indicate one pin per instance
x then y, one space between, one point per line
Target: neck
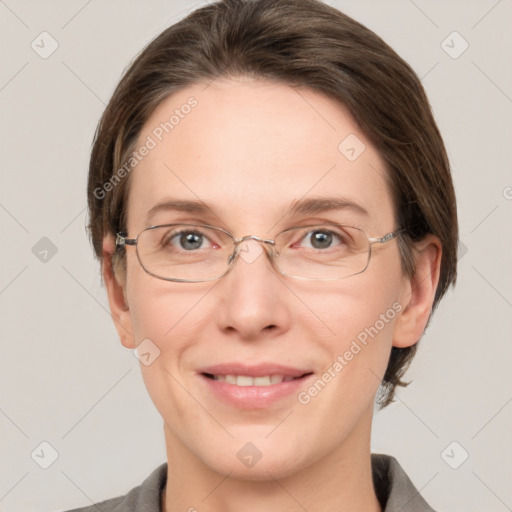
340 480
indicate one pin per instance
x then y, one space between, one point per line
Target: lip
257 370
253 397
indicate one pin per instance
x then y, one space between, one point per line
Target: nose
252 298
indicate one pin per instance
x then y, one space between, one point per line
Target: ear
418 293
116 290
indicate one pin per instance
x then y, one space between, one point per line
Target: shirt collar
393 487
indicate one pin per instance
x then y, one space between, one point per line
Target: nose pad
250 251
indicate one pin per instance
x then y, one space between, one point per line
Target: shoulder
144 498
394 489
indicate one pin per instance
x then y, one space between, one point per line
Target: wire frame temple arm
121 240
385 238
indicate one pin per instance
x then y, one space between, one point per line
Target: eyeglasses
191 253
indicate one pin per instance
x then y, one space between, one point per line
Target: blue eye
190 241
321 239
187 240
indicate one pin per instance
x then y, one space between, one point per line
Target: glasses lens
325 252
189 252
184 252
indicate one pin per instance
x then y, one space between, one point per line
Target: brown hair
302 43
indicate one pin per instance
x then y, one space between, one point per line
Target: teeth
230 379
246 380
261 381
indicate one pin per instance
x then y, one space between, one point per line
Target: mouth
253 387
248 380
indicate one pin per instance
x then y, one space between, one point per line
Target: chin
267 468
258 460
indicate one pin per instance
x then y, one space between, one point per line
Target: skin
249 150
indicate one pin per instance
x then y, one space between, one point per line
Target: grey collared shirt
394 489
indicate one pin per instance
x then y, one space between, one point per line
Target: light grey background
64 377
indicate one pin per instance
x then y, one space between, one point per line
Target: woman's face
262 156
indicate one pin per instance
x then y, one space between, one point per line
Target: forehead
249 149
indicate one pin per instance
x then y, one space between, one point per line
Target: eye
321 239
188 240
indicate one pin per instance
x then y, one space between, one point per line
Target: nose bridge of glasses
256 238
250 247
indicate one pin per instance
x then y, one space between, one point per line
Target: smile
253 387
247 380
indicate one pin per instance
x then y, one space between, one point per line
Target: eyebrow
180 206
323 204
301 207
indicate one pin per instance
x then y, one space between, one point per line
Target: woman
272 206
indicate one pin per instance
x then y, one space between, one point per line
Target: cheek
355 358
362 309
169 316
362 340
359 320
160 310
